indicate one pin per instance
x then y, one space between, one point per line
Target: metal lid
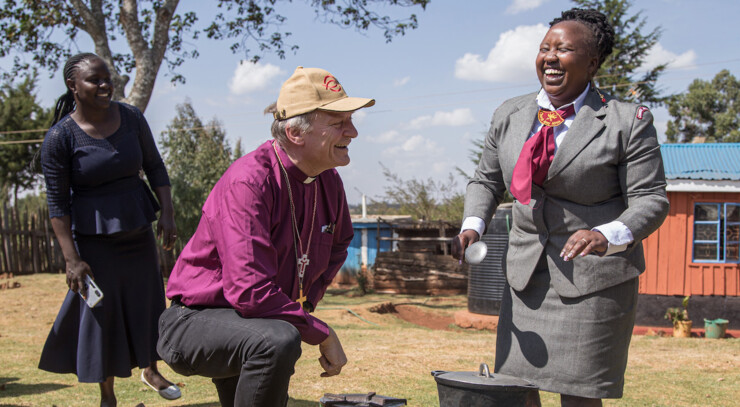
482 380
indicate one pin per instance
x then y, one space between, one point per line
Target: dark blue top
96 181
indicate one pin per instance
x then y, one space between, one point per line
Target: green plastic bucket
715 328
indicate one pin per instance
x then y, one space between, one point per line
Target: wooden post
35 250
5 265
377 236
9 241
442 234
24 233
46 260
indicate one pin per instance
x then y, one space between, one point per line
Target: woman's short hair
597 23
301 122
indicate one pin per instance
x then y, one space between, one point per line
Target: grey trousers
250 360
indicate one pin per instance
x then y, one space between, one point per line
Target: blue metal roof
711 161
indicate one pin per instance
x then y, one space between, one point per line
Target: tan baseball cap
310 89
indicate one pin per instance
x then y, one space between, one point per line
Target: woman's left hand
584 242
166 230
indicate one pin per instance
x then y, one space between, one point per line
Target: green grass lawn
386 355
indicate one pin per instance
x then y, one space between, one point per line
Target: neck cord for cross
303 261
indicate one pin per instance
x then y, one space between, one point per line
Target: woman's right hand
76 271
462 241
76 268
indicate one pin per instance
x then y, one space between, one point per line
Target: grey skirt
573 346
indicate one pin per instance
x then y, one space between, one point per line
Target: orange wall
669 269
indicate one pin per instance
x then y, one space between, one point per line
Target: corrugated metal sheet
712 161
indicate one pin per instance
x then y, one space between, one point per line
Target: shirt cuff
474 223
316 331
617 235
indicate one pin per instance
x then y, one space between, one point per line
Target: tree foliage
155 31
196 156
709 109
475 155
619 73
429 199
20 115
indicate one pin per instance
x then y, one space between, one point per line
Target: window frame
727 224
721 233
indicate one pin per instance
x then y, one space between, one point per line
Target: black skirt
573 346
120 333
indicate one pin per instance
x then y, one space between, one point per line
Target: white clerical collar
543 100
290 166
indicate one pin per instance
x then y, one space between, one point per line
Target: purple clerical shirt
242 254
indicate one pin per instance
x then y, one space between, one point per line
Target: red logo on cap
332 84
641 112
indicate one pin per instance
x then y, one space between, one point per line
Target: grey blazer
607 168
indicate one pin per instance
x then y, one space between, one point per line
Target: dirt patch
416 315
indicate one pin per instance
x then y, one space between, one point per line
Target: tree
618 73
238 152
475 155
21 117
708 109
428 199
196 156
155 32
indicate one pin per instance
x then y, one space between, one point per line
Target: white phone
94 293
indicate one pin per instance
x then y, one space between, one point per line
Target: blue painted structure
707 161
369 228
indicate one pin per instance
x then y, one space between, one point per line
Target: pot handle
436 373
483 370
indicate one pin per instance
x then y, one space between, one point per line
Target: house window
717 232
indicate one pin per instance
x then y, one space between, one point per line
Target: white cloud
658 55
660 127
457 117
250 77
359 116
402 81
415 146
160 90
385 137
511 59
517 6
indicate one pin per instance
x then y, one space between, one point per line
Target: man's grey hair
301 122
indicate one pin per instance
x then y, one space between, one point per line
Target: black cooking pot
480 389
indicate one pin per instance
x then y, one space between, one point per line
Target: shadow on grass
301 403
291 403
10 389
431 306
338 291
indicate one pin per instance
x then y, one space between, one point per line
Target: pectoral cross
302 264
301 298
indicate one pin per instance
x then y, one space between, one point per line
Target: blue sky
436 88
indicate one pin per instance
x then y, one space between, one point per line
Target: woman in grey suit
588 179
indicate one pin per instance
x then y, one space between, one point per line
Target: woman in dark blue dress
101 212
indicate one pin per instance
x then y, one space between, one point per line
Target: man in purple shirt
273 234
